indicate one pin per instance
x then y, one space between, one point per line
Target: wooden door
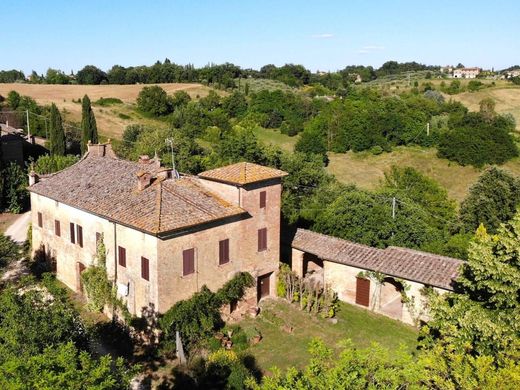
263 286
362 291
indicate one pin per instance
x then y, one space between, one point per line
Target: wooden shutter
121 255
40 219
188 261
145 268
223 251
79 235
57 228
262 239
72 233
362 291
263 197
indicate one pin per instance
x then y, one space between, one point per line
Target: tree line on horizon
222 75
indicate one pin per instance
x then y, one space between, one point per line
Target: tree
235 105
49 164
154 100
56 133
180 99
38 318
481 318
312 141
15 188
91 75
9 251
425 192
88 125
13 99
487 109
492 200
64 367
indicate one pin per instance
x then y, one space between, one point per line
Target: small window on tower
263 197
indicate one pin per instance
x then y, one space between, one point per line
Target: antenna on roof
169 141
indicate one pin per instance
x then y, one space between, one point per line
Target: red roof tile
423 267
107 187
242 173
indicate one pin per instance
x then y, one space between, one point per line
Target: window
98 239
223 251
145 268
188 261
40 219
72 233
79 235
262 239
263 197
121 255
57 228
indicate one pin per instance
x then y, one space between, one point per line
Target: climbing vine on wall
99 290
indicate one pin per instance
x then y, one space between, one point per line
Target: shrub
198 317
104 102
50 164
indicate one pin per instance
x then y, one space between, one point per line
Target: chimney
100 150
143 180
33 178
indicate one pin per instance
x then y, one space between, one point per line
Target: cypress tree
56 132
88 125
1 176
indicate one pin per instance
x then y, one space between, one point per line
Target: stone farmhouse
389 281
166 234
466 73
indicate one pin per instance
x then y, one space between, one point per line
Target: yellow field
110 124
366 170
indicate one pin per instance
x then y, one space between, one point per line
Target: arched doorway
390 302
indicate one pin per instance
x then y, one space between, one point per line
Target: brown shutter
223 254
262 239
188 261
145 268
40 219
80 235
121 252
362 291
263 196
72 233
57 228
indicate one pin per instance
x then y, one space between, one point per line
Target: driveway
18 229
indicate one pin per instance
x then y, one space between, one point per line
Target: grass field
111 120
274 137
281 349
367 170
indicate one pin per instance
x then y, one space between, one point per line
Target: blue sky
324 35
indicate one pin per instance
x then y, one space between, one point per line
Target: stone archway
390 300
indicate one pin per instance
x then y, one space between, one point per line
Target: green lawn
281 349
274 137
366 170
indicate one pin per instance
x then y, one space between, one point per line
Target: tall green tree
88 125
56 133
492 200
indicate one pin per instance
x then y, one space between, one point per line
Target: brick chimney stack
144 180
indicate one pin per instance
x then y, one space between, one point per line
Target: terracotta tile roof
242 173
422 267
108 187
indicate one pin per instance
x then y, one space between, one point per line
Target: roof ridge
159 206
419 252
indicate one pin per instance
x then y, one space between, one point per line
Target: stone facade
163 251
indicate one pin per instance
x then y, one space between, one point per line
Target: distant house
378 279
466 73
447 69
166 234
513 73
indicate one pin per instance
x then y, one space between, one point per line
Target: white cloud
370 49
322 36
